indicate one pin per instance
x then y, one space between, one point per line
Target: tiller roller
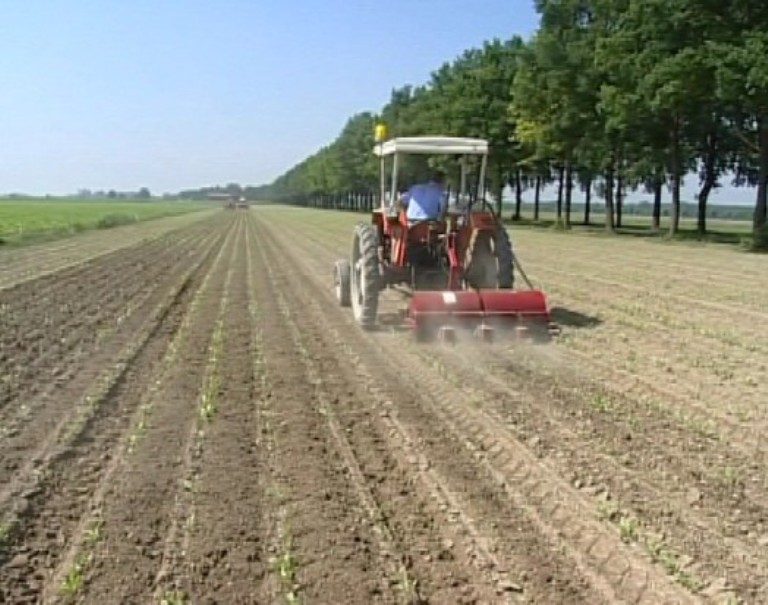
484 314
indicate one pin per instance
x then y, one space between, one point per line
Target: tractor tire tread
505 257
368 243
343 274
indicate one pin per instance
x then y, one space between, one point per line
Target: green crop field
26 221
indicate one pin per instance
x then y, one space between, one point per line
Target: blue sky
171 94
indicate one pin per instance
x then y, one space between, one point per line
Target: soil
191 417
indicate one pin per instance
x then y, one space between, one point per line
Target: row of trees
608 96
142 194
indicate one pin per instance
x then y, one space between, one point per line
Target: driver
425 201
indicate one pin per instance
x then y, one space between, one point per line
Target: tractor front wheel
365 276
341 281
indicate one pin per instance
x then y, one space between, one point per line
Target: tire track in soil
506 460
470 524
54 509
643 467
325 509
397 566
227 554
724 528
137 507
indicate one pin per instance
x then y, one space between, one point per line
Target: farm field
186 415
32 220
718 229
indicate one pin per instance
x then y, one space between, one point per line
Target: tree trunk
568 194
761 206
518 195
536 199
674 219
619 197
658 186
560 183
701 222
609 224
710 157
587 200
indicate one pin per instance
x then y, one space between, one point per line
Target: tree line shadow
686 233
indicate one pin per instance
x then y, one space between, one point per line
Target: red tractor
458 270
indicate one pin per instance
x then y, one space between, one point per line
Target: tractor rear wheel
489 261
505 259
365 275
480 262
341 282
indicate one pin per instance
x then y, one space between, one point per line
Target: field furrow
693 502
471 432
138 507
33 262
226 554
675 501
67 352
331 542
174 572
49 499
458 552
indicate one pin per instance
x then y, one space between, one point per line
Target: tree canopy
608 95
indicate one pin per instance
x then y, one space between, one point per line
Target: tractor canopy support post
481 184
394 176
382 183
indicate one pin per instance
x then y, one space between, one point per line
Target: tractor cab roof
432 145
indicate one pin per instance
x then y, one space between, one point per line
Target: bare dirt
192 418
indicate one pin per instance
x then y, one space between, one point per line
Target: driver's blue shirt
423 201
